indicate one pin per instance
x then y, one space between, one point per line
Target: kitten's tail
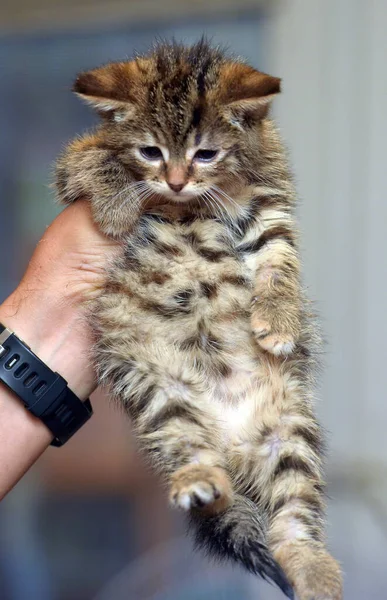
238 534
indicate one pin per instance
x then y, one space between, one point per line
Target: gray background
331 55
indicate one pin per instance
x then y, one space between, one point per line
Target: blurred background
89 522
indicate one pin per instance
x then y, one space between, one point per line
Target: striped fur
203 331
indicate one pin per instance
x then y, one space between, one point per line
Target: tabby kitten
202 330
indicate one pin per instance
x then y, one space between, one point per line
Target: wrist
56 331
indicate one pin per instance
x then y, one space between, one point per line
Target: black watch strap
44 393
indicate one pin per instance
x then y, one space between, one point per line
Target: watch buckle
4 335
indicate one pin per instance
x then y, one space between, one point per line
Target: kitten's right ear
115 87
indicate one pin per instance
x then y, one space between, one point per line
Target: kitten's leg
275 311
276 460
87 170
175 425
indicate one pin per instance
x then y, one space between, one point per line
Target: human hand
47 311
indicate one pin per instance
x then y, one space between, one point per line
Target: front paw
275 330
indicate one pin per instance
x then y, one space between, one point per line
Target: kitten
203 332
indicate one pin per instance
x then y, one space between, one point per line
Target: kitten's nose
176 177
176 187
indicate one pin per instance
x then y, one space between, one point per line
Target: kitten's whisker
134 198
221 203
132 191
223 193
219 208
257 216
224 209
230 219
137 190
206 202
128 188
214 207
146 192
220 190
145 195
134 202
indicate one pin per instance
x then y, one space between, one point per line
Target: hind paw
200 487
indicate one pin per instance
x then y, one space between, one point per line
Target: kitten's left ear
115 87
246 92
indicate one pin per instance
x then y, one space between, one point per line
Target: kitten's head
185 120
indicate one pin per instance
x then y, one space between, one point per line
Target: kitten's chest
198 289
184 291
190 266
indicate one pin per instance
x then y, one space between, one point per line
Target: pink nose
176 187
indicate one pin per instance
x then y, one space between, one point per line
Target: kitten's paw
261 328
275 343
315 575
201 487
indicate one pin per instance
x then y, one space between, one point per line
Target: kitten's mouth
180 197
164 199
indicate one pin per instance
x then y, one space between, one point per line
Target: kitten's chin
181 197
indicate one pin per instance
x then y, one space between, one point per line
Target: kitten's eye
118 116
151 152
205 155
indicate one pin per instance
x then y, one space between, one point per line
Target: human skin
47 311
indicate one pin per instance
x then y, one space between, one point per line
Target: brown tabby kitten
202 331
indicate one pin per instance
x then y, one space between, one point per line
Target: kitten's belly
190 304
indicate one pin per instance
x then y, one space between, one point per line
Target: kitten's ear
112 88
247 92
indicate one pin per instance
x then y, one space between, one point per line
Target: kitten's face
184 121
183 174
200 164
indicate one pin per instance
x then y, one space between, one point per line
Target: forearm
271 248
277 272
277 295
23 437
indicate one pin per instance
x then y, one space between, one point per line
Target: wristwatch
44 393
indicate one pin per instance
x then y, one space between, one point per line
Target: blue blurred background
89 522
